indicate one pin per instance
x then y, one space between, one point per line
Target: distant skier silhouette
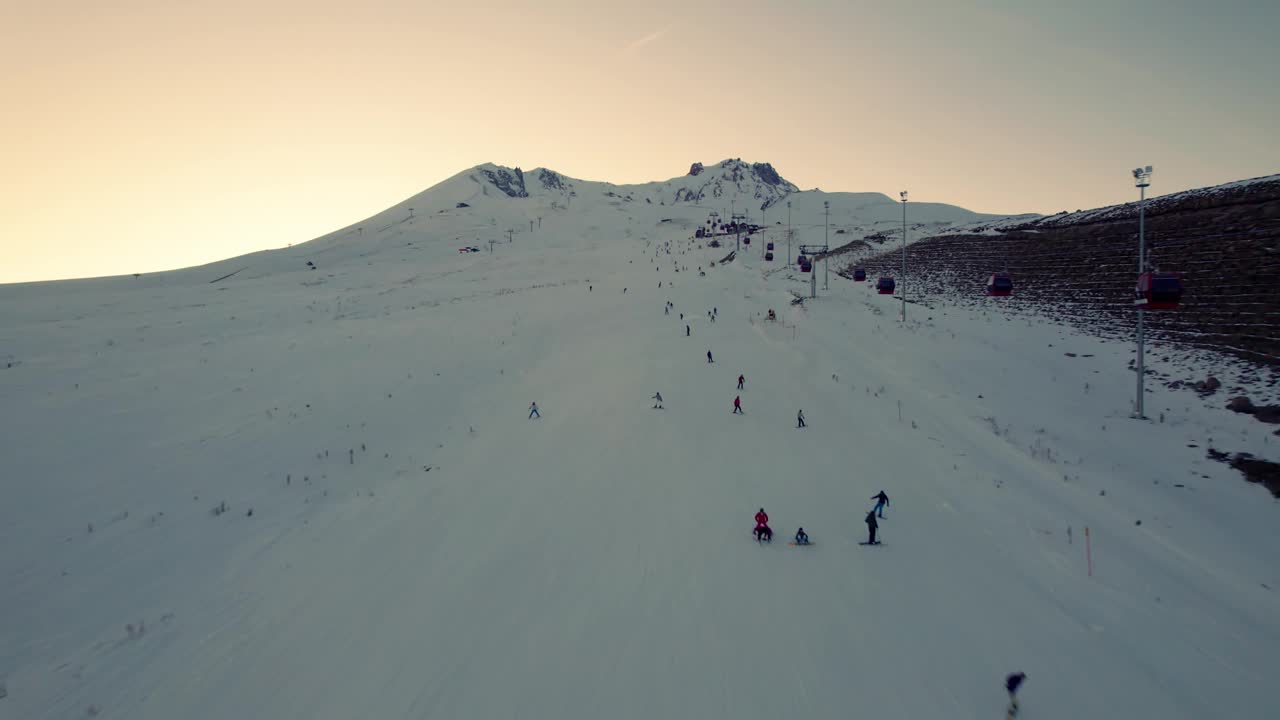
872 526
533 411
741 380
1012 683
800 419
657 400
737 405
709 357
802 538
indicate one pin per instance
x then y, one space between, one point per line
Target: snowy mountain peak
508 181
732 179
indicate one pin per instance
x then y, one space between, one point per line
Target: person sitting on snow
802 538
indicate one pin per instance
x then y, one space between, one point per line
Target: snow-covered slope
400 541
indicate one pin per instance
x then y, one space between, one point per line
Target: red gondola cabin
1000 285
1158 291
806 266
885 286
859 275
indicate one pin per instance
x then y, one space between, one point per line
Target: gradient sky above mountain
144 135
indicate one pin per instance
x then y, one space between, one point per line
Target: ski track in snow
419 548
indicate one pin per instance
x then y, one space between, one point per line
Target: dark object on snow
802 538
1013 682
1240 404
1208 386
462 205
763 533
872 525
1255 470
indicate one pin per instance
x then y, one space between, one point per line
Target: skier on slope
686 328
709 357
1012 683
763 531
881 501
533 410
872 525
657 400
800 419
737 405
802 538
741 380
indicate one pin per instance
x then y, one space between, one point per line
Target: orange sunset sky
143 135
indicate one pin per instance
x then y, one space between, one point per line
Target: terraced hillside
1081 268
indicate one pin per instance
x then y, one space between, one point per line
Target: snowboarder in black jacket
872 525
1012 683
881 501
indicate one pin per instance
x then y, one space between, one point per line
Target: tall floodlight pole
1142 179
788 233
903 195
826 244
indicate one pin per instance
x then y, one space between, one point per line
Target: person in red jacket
737 405
763 531
762 527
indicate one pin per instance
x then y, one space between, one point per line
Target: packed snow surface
419 548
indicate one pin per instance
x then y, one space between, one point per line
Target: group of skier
764 533
882 500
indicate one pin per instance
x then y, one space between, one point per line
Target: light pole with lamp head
903 195
826 244
1141 179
